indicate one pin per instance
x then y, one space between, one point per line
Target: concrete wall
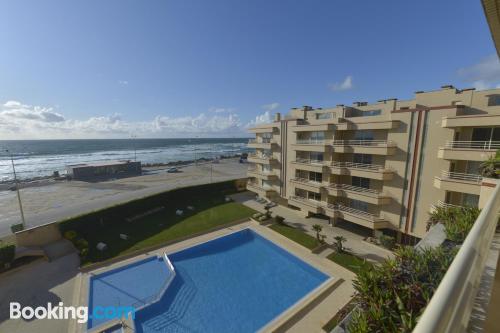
39 236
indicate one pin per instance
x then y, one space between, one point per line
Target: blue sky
212 67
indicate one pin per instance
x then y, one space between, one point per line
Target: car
172 170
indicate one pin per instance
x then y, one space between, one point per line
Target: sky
213 68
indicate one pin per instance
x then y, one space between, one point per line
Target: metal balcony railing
311 141
262 140
461 176
351 188
311 202
261 172
309 161
352 165
366 143
480 145
260 156
252 140
345 209
307 181
451 305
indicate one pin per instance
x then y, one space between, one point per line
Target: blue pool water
236 283
127 286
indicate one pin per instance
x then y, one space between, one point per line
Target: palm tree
340 240
318 229
491 167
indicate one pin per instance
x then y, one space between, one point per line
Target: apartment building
383 166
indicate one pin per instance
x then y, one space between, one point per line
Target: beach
52 201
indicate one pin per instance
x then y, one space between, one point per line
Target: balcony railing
351 188
307 181
479 145
350 210
311 142
262 140
310 202
451 305
366 143
443 204
261 172
461 176
352 165
252 140
309 161
262 157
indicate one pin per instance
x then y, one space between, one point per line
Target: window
473 167
315 176
360 182
313 196
363 135
493 100
266 168
372 113
315 156
471 200
328 115
358 113
317 136
359 205
362 158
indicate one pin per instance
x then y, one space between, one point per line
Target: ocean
38 158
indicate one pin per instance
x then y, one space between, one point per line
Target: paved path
58 201
352 233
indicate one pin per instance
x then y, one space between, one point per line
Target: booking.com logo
80 313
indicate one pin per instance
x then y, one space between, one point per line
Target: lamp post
17 188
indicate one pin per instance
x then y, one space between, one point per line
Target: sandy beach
53 201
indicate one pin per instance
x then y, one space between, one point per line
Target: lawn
210 212
349 261
296 235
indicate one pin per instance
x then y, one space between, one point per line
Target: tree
318 228
340 240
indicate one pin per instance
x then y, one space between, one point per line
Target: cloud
271 107
20 121
344 85
221 110
123 82
483 75
264 118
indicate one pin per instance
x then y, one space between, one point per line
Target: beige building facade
383 166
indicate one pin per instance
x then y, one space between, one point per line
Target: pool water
235 283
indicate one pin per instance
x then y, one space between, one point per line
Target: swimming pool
235 283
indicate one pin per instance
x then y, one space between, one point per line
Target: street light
17 188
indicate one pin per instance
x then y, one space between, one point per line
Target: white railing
260 187
352 211
252 140
262 157
369 143
306 181
310 142
443 204
352 165
262 140
461 176
156 297
307 201
481 145
351 188
260 172
450 307
309 161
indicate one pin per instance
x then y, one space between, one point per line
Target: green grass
296 235
210 211
349 261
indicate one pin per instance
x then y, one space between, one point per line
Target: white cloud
344 85
123 82
264 118
221 110
20 121
483 75
271 107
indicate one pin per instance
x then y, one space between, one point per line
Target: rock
179 212
101 246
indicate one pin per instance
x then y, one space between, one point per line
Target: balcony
260 159
264 192
471 120
264 128
468 150
367 123
371 171
265 175
306 184
442 204
468 296
310 165
375 147
358 193
311 128
263 143
459 182
357 216
305 204
310 145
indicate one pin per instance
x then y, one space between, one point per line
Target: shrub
279 219
340 243
387 241
70 235
263 218
457 221
491 167
7 253
392 296
257 215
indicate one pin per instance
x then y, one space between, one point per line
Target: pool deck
308 315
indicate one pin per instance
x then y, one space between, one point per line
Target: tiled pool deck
309 315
